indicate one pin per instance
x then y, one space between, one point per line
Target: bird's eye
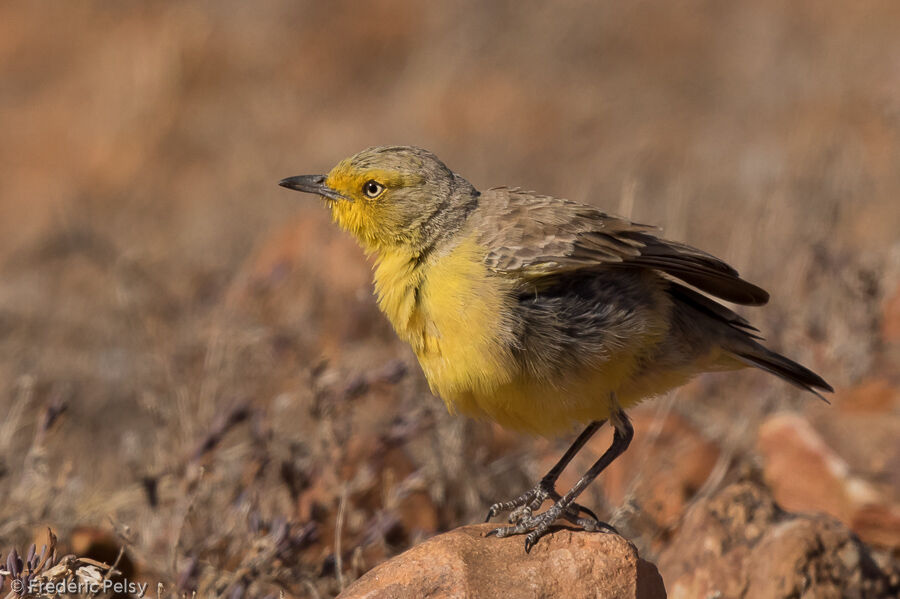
372 188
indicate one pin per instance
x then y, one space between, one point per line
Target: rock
804 473
739 543
878 525
465 563
807 475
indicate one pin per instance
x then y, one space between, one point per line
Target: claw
574 511
492 511
587 511
505 531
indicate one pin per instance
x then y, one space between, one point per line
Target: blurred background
192 365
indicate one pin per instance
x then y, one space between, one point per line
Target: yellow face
369 210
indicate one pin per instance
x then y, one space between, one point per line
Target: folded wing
538 236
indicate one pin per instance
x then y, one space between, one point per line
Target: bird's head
390 197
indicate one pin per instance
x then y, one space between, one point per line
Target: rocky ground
192 367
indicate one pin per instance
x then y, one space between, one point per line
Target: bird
539 313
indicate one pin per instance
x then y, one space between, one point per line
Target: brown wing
538 236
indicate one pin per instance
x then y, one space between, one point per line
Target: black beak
311 184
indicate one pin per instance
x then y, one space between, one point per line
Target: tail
741 340
784 368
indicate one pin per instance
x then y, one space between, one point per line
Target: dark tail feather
786 369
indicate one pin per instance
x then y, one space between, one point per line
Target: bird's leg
529 501
537 526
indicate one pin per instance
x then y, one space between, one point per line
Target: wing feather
538 236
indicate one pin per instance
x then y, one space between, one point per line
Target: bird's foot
530 501
535 527
523 520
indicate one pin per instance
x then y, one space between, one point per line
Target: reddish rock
806 475
878 525
739 543
464 563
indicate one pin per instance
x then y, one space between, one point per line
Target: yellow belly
549 409
538 408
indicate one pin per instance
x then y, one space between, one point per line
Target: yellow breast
454 313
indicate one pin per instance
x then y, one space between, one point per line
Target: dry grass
190 359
